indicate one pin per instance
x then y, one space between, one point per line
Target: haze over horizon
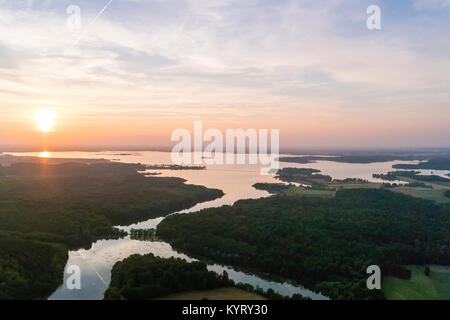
145 68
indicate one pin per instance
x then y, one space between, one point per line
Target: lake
236 182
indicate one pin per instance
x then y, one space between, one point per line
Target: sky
136 70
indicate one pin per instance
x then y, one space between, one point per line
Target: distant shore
7 160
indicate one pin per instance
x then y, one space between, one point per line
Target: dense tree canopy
307 176
29 268
47 209
148 277
441 163
398 175
325 244
272 188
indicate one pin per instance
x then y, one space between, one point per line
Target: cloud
223 57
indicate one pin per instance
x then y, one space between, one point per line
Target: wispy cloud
248 58
432 4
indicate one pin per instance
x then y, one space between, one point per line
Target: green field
297 191
420 287
424 193
435 193
320 183
350 185
215 294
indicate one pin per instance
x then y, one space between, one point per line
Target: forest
325 244
353 158
432 164
308 176
397 175
148 277
29 268
45 210
272 188
144 277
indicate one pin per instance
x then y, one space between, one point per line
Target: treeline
173 167
410 185
143 234
447 193
366 158
272 188
45 210
432 164
351 180
325 244
307 176
398 175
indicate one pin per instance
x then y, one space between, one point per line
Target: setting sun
44 120
44 154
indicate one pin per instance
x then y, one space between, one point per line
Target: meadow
436 286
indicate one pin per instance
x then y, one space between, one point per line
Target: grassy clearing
424 193
305 192
437 193
419 287
368 185
321 182
215 294
296 191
